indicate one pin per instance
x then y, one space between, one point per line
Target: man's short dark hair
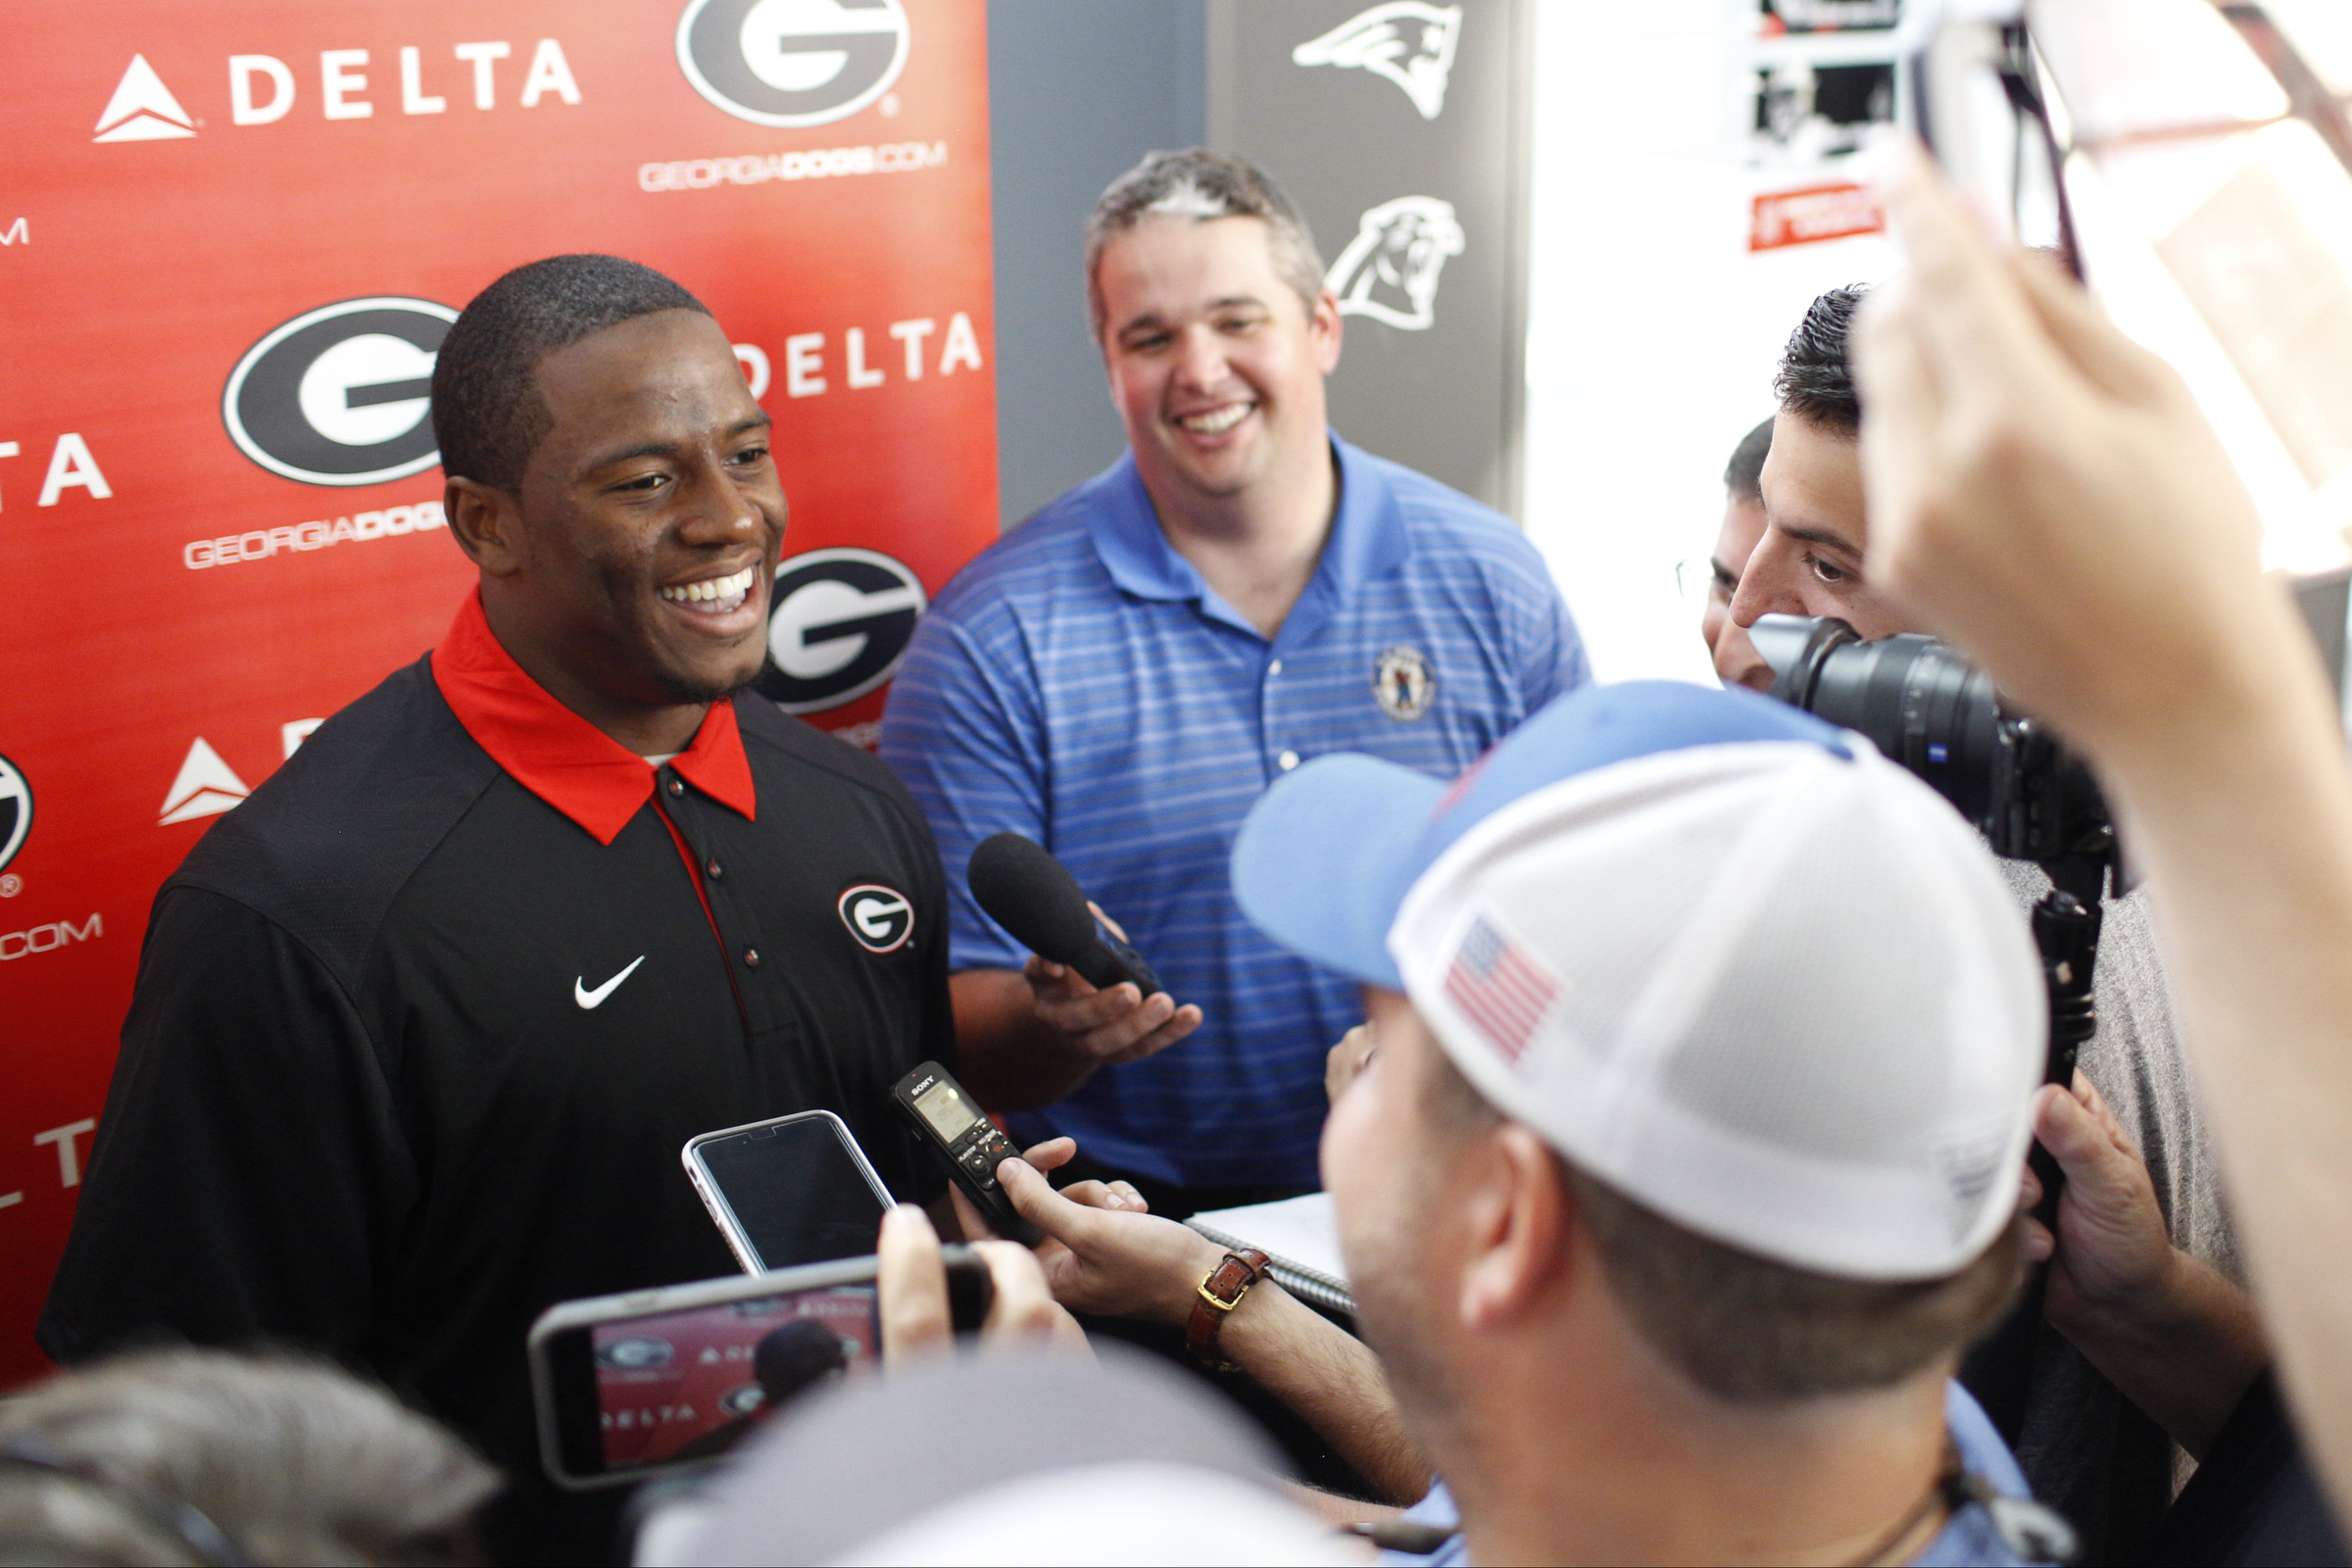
1201 184
1746 1329
1815 382
487 412
1743 475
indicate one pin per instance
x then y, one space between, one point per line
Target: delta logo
206 786
143 109
351 84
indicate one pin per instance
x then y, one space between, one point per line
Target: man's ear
1515 1221
487 524
1328 327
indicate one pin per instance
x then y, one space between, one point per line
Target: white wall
1652 331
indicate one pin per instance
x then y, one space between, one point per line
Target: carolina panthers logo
1408 42
880 918
1389 270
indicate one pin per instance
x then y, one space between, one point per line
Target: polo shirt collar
1368 539
559 756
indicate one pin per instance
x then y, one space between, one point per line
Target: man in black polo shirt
420 1027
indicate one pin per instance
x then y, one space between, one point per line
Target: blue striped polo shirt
1079 683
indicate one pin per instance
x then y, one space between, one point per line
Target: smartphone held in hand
633 1384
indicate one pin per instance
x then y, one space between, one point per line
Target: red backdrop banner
231 238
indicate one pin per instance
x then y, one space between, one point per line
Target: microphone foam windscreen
793 1356
1030 894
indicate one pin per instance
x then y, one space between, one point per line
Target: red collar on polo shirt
559 756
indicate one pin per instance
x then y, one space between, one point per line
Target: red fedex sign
231 241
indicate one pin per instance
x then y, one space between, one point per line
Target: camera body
1924 706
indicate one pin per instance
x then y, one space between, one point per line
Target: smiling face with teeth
1216 361
628 573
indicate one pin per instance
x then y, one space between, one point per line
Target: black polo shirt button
750 958
713 869
677 786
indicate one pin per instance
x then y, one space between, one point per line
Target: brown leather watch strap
1218 1295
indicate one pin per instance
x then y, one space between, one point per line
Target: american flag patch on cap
1499 987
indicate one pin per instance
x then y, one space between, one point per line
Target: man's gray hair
1199 184
293 1460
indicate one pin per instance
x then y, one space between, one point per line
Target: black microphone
1031 894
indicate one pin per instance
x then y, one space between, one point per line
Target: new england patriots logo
1408 42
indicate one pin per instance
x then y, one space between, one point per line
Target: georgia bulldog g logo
792 63
879 918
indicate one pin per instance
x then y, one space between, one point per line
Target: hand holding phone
633 1384
916 1320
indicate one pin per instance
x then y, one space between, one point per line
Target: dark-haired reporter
420 1027
2089 1452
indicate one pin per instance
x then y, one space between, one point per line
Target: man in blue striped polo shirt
1121 678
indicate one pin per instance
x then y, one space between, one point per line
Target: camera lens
1928 708
1916 698
1922 705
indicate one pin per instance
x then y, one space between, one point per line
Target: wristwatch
1220 1293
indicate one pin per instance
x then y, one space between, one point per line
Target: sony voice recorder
951 1123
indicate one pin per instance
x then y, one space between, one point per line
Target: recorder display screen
690 1383
949 1114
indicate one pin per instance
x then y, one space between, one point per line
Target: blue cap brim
1325 856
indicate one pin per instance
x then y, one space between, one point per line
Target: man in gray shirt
2090 1451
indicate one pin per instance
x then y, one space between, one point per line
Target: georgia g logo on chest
880 918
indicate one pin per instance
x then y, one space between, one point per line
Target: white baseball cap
1721 956
1122 1458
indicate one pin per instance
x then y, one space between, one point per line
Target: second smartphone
632 1385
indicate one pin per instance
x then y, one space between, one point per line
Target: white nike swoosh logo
589 999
